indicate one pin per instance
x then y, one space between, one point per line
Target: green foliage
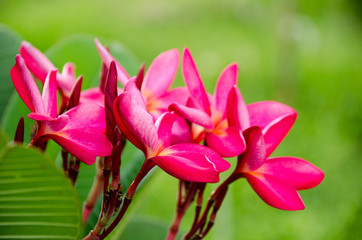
9 47
37 201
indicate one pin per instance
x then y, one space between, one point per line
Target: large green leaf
37 201
9 46
3 139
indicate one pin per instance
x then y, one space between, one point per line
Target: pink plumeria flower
211 119
188 162
80 130
40 66
276 180
155 87
156 82
273 118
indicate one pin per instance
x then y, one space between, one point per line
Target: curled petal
192 114
276 131
55 125
255 153
193 168
107 58
237 112
26 87
186 149
275 119
36 61
66 79
226 81
49 95
194 83
135 122
275 192
160 74
228 144
164 125
84 143
295 171
180 132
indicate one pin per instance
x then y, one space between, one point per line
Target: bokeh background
307 54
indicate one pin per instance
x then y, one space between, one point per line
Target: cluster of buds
185 131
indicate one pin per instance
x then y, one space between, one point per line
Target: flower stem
182 206
147 166
94 192
217 193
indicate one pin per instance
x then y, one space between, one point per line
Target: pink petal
237 112
92 95
194 83
186 149
88 115
36 61
49 95
192 114
255 153
50 126
164 125
84 143
226 81
107 58
275 119
39 117
276 131
275 192
193 168
158 105
26 87
135 122
228 144
160 74
66 79
180 132
295 171
140 76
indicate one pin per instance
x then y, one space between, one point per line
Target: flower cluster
185 131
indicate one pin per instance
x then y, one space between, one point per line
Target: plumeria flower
273 118
187 161
40 66
155 85
276 180
209 113
80 130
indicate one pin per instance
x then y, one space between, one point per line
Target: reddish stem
147 166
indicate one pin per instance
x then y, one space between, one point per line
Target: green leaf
3 139
36 200
9 47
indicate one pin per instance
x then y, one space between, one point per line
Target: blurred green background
307 54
